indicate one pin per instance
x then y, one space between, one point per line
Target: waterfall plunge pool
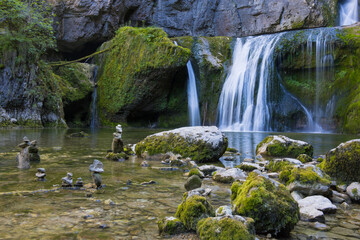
70 214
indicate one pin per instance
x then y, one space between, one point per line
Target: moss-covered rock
138 73
304 158
197 172
223 228
343 162
192 182
278 165
170 226
267 202
117 156
247 167
193 209
202 144
281 146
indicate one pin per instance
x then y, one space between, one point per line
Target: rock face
267 202
343 162
140 76
202 144
85 21
281 146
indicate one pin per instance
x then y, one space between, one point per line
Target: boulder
209 169
202 144
343 162
229 175
304 158
306 181
353 190
267 202
311 214
193 209
192 182
223 211
196 171
170 226
226 227
281 146
248 166
318 202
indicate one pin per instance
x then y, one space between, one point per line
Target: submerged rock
193 209
281 146
267 202
343 162
226 227
78 135
202 144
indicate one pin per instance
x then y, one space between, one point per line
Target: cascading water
243 104
349 12
94 114
193 102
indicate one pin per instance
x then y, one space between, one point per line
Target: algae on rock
269 203
137 74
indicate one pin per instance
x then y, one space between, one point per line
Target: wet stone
67 181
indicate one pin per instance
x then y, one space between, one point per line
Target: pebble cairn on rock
28 153
67 181
96 168
117 144
40 174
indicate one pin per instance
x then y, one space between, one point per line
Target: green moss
319 160
195 171
246 167
272 208
276 148
75 81
343 162
193 209
197 151
302 175
232 150
137 71
117 156
170 226
278 166
304 158
223 229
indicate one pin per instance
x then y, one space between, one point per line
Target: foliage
26 26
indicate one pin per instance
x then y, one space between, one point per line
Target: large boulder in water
281 146
266 201
202 144
343 162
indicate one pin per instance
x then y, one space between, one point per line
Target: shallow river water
71 214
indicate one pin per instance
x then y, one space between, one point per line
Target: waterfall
323 40
94 113
243 104
193 102
349 13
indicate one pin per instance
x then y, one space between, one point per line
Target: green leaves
26 27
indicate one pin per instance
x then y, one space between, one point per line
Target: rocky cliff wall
84 22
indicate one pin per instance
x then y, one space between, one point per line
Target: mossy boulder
201 144
170 226
225 228
343 162
118 157
193 209
278 165
282 146
304 158
192 182
138 76
306 180
197 172
268 202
